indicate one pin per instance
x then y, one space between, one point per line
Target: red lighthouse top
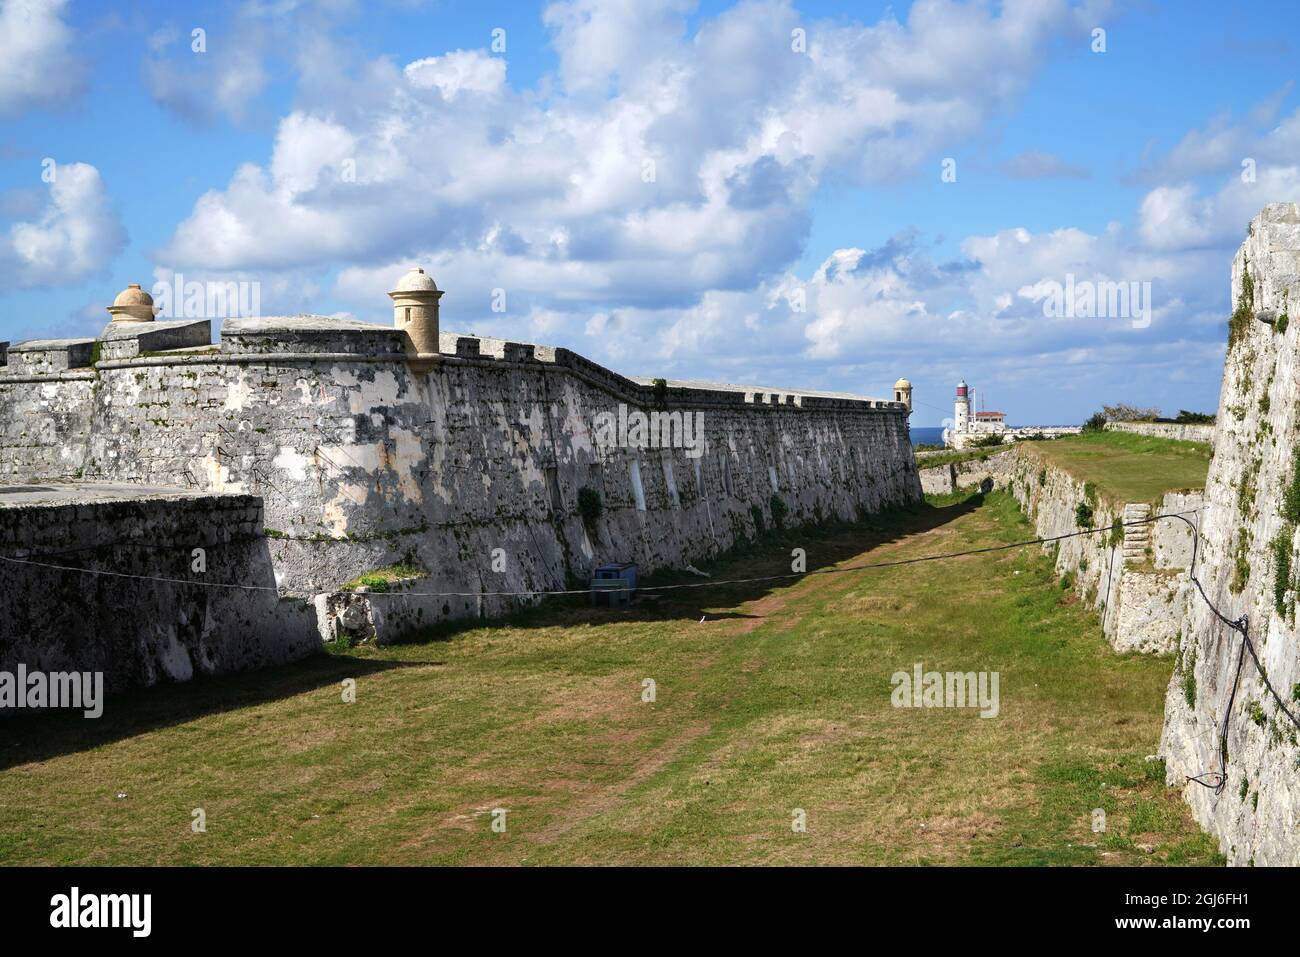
961 388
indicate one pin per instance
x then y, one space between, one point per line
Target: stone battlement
325 338
367 451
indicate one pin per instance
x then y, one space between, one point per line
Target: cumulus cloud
677 158
38 68
647 206
599 42
76 235
461 70
223 71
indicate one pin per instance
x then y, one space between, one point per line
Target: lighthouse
961 409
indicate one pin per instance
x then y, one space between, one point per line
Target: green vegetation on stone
1244 314
1125 467
590 505
383 579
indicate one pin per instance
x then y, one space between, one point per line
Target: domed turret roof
132 304
902 384
416 280
133 295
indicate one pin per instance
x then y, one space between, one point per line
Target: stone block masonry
1136 577
1248 565
129 623
1181 431
467 463
1137 581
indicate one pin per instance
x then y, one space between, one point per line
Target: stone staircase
1137 538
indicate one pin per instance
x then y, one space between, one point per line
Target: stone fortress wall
1248 565
1181 431
367 449
151 616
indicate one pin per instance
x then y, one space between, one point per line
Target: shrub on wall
1282 567
1123 412
779 510
1291 494
1245 311
589 504
1083 515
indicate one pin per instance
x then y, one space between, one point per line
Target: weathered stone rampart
1248 565
467 464
1181 431
1133 573
144 604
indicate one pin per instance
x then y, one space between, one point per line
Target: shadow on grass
32 738
825 545
28 738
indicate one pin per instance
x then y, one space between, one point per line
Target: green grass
1126 467
779 699
383 579
955 456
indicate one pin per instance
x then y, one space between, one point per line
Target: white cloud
1224 143
469 71
233 67
38 68
76 235
598 40
1183 218
693 175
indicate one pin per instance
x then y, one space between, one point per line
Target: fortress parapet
373 444
42 357
320 337
128 340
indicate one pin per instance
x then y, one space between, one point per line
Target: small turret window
408 315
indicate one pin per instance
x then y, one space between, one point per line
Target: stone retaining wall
1140 601
1185 432
152 616
1256 815
955 476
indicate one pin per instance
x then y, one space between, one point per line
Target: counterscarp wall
1248 565
997 467
153 612
1133 574
1185 432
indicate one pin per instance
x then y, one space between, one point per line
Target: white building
969 426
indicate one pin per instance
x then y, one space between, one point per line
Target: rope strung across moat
1242 627
557 592
1239 625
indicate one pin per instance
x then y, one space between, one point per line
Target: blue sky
796 231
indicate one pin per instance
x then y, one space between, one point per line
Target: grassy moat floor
1126 467
779 699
